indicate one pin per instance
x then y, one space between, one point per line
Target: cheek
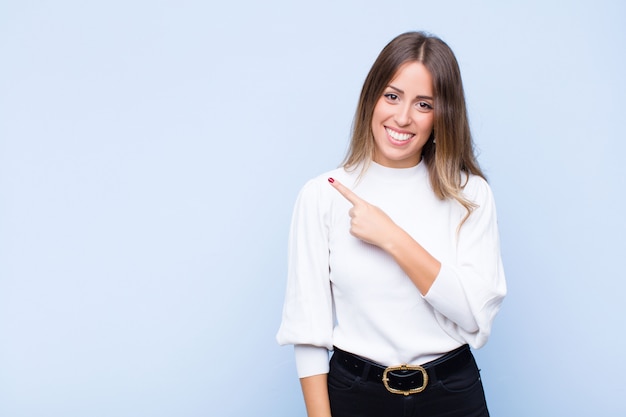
428 122
380 113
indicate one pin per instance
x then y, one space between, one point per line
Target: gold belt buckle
405 367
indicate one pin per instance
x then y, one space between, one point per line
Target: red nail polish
331 180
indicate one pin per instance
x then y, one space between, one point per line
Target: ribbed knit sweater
347 293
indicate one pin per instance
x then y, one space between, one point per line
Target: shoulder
318 187
477 189
318 198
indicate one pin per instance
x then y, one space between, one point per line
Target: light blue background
151 152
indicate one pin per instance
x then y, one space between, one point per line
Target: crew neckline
389 173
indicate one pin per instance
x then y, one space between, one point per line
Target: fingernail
331 180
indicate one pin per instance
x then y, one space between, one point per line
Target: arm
315 391
419 265
469 289
308 308
465 292
307 321
372 225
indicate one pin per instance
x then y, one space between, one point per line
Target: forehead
413 75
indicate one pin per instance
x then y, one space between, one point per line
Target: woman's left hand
368 222
372 225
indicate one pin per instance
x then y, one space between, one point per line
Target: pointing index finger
345 191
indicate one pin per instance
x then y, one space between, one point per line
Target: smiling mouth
402 137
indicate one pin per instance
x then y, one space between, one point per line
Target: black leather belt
405 379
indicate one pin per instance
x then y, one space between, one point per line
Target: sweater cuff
311 360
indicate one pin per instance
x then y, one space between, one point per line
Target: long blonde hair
452 155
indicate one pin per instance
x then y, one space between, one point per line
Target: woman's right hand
315 391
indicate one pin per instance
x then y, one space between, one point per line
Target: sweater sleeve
307 319
468 291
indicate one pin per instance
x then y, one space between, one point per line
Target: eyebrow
402 92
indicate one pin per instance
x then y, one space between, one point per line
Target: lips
399 136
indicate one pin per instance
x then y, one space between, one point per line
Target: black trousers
356 391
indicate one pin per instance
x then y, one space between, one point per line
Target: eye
391 96
424 106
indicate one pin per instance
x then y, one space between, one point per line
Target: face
403 117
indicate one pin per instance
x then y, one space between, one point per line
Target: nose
403 115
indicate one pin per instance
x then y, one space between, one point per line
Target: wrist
394 239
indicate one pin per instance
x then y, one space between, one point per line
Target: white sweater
342 291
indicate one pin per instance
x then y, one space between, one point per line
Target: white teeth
399 136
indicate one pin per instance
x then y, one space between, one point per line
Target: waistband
405 379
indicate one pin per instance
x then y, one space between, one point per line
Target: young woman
394 258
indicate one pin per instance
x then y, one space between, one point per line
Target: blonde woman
394 258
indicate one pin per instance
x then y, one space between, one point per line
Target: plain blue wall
151 152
